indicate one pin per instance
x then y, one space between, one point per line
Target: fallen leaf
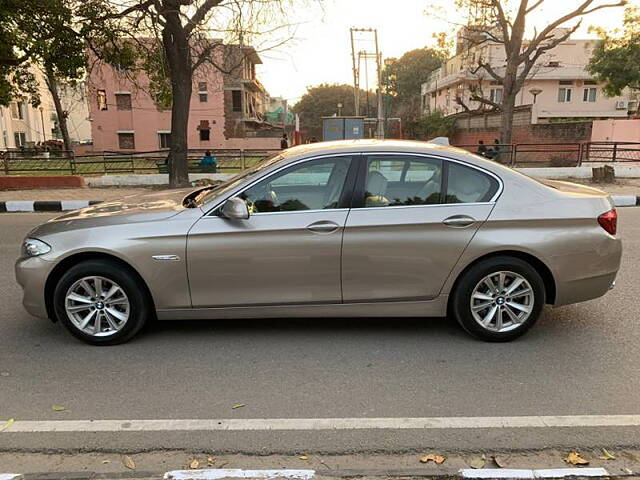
106 461
606 455
194 464
437 459
499 461
238 405
478 462
211 460
128 462
303 457
627 471
574 458
7 424
58 408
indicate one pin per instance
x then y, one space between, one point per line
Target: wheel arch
72 260
541 267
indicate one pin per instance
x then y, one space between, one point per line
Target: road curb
30 206
218 474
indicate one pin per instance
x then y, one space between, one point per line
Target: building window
165 139
236 100
566 82
495 95
589 94
17 110
123 101
203 96
202 86
205 134
102 100
126 141
20 138
564 95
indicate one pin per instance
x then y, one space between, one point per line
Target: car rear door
412 218
288 251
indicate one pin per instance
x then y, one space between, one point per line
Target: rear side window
468 185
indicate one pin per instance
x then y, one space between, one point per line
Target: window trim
343 204
358 192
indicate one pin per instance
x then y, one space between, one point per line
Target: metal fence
568 154
65 163
230 161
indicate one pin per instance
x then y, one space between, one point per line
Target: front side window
313 185
468 185
394 180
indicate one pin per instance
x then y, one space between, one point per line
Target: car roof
396 146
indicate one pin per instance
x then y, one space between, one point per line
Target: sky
320 51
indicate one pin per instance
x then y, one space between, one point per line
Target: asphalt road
581 359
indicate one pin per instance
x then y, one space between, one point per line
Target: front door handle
459 221
323 226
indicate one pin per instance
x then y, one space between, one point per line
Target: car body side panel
404 253
561 230
136 244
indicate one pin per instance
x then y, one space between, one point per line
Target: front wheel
100 303
499 299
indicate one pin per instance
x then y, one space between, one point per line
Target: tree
404 76
434 124
616 58
179 40
322 101
497 24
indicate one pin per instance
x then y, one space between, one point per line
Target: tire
514 312
119 321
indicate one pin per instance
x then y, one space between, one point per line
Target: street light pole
44 135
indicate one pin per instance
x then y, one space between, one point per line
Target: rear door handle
323 226
459 221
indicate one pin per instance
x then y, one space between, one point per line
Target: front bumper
31 275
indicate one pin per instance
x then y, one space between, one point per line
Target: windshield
238 179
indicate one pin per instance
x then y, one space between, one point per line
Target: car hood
143 207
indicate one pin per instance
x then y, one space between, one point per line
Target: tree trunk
178 55
506 126
52 85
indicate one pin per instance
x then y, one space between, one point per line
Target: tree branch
200 14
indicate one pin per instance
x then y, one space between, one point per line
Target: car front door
287 251
413 217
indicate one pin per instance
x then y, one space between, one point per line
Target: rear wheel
101 303
499 299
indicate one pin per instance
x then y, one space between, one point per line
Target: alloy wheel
502 301
97 306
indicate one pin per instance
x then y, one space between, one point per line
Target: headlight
32 247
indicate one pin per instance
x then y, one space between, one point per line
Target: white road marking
217 473
532 474
11 476
268 424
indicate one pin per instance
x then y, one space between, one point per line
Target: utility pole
356 74
380 129
357 55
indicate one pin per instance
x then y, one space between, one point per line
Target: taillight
609 221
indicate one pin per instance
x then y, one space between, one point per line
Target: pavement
361 387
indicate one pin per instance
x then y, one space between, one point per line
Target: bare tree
497 24
175 38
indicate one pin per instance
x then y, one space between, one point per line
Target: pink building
227 110
559 87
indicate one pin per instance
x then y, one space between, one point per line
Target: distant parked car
344 229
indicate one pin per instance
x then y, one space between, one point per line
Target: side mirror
235 208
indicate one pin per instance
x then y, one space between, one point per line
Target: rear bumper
585 276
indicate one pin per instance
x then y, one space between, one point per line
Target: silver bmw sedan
338 229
